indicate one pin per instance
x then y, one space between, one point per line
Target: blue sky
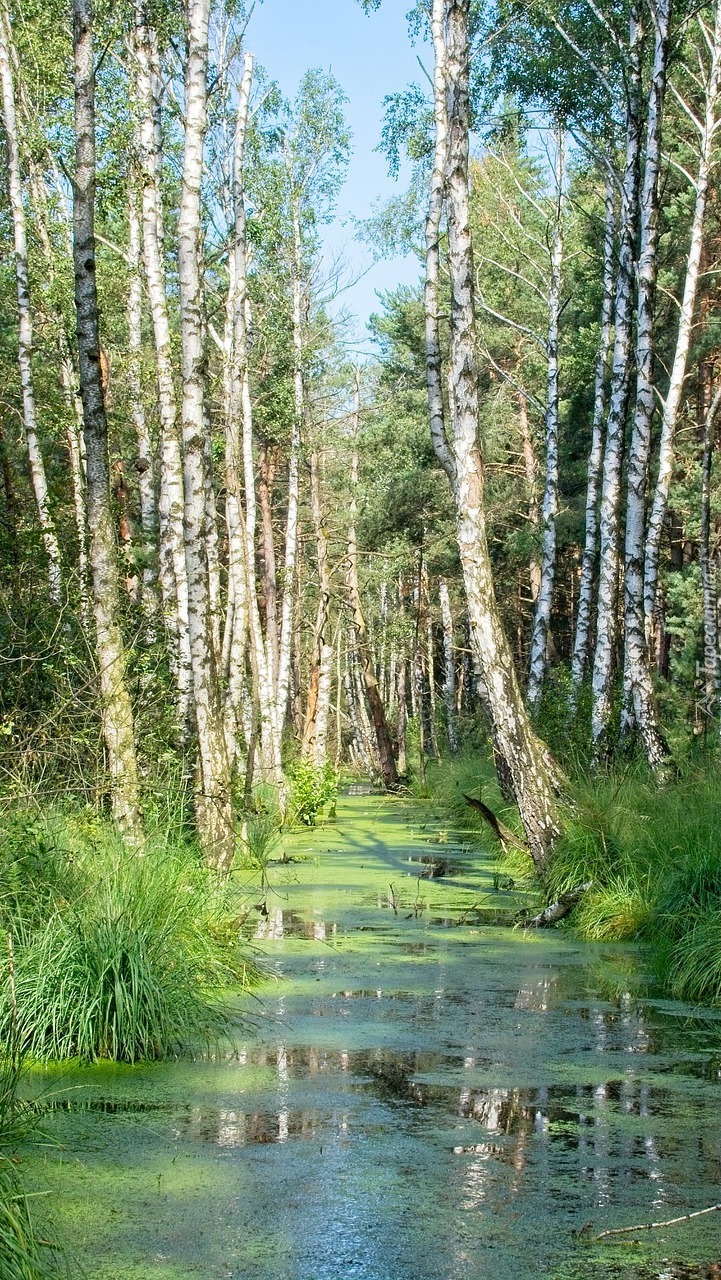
370 56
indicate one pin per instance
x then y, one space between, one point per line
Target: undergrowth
653 855
111 953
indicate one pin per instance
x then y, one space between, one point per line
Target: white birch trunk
449 666
241 412
25 321
213 796
606 628
115 701
637 675
549 506
712 665
534 778
76 455
530 465
144 460
708 128
318 700
291 528
172 566
590 548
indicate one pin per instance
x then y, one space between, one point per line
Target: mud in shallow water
419 1102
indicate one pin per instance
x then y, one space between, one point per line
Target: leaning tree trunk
370 683
214 810
115 700
549 507
637 674
534 779
590 548
708 130
606 628
25 325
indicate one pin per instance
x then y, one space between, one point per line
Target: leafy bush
128 966
312 789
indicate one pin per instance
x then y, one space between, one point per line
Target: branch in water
649 1226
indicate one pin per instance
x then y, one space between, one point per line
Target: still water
422 1095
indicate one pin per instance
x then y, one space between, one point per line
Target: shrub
312 789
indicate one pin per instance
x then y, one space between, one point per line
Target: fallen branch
558 909
649 1226
500 830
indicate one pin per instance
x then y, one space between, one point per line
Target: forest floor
418 1093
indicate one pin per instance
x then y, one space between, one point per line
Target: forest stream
423 1095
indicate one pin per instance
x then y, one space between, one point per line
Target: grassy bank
23 1255
108 952
654 856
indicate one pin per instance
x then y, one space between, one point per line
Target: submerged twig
650 1226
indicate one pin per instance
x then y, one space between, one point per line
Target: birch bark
590 549
549 506
214 811
115 701
291 528
144 459
637 674
708 127
172 567
316 717
25 321
534 778
712 665
241 410
606 628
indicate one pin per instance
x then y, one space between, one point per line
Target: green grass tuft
122 956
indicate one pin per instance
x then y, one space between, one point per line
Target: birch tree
25 319
213 792
606 625
636 659
115 700
706 125
533 777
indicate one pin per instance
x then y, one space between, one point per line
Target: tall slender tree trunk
712 664
606 628
530 466
214 811
115 700
314 736
549 506
637 672
25 320
172 566
372 692
144 445
582 638
291 527
708 129
239 723
242 410
534 778
268 462
449 666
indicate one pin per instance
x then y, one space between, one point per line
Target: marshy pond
423 1095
